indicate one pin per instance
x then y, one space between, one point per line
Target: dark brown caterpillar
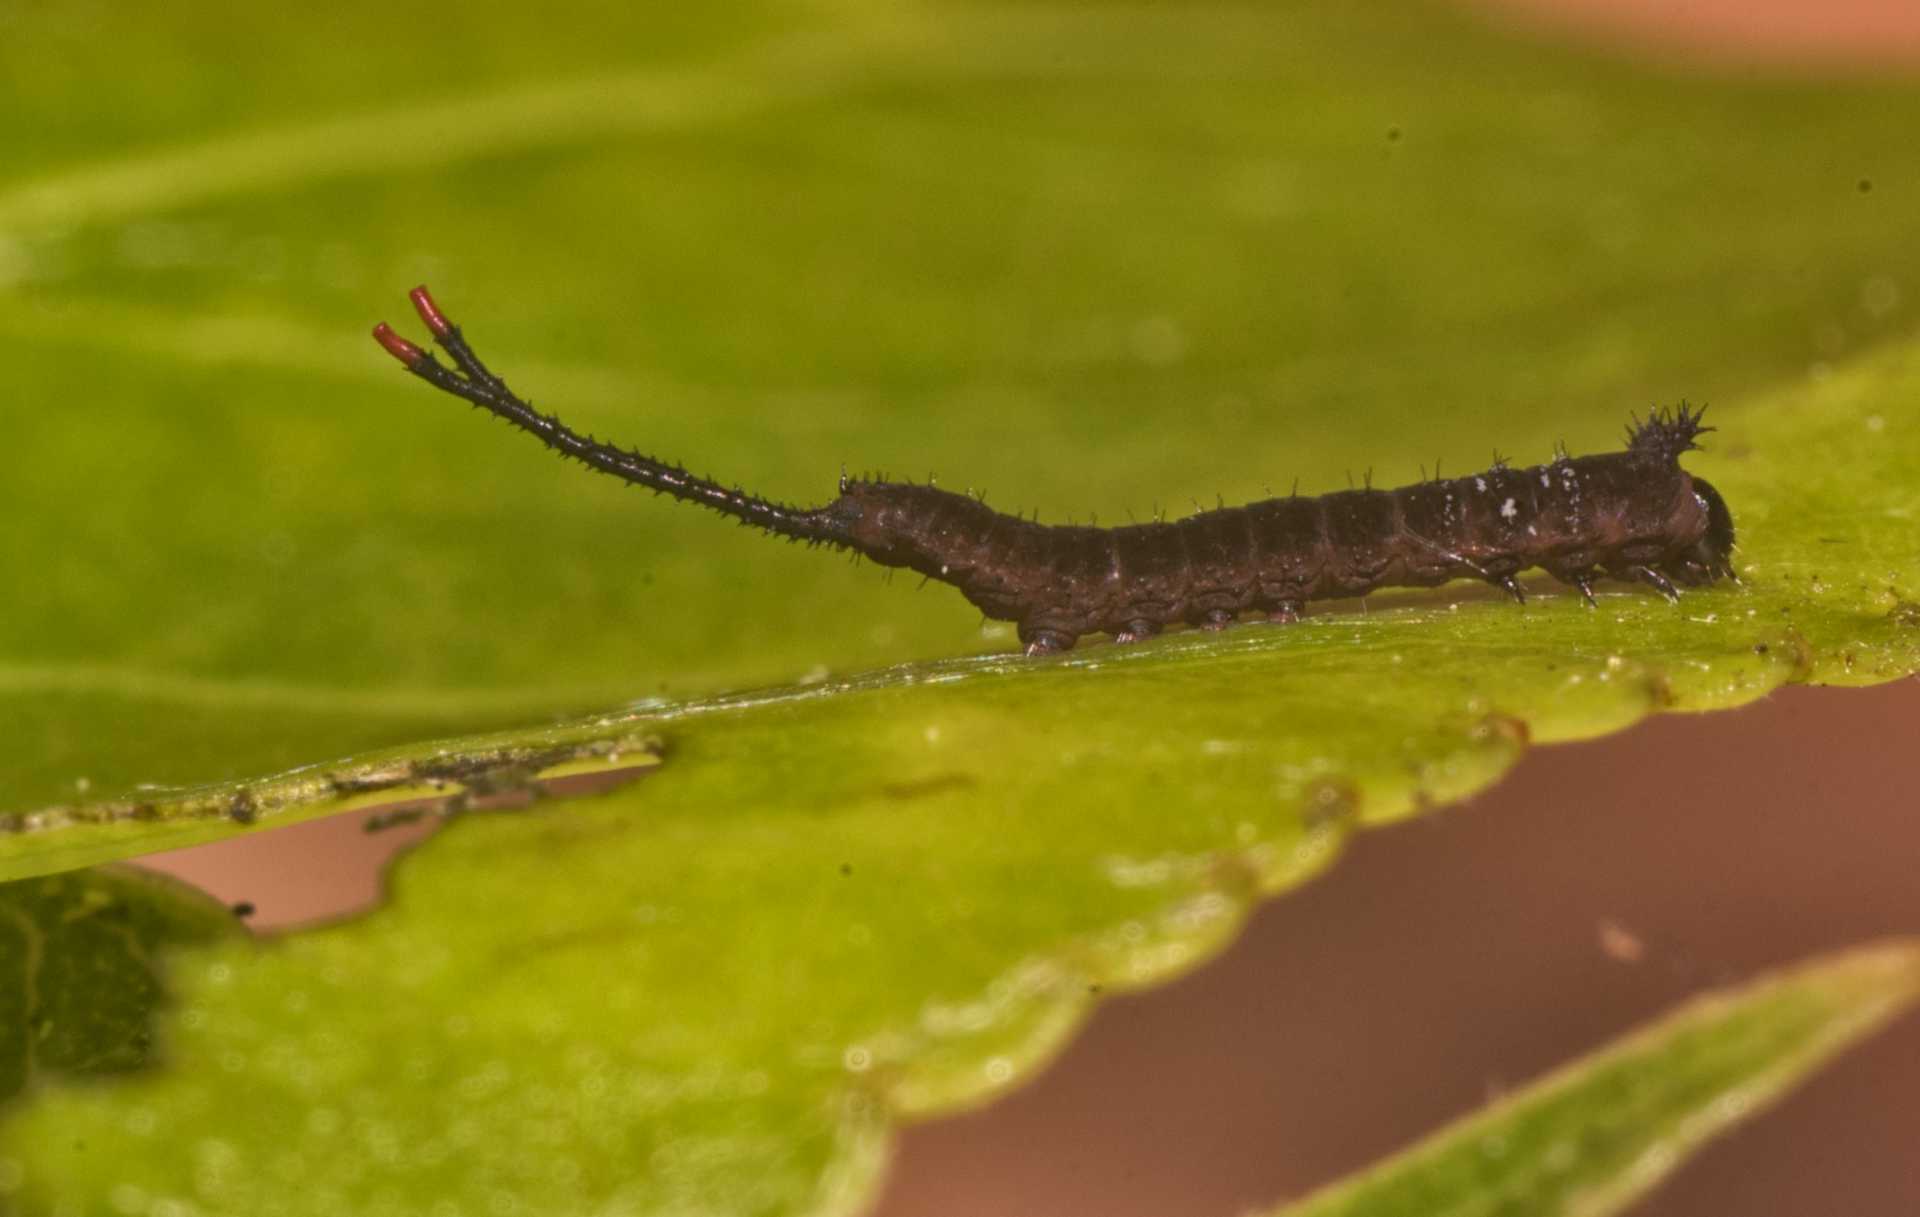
1628 515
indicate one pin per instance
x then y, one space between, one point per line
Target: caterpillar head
1719 539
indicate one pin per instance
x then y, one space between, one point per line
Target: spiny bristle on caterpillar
1632 515
1667 434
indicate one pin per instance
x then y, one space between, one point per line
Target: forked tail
474 383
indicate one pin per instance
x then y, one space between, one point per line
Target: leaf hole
333 868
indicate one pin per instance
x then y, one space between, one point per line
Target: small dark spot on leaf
381 821
1330 804
1093 988
1393 135
1865 185
1905 614
846 868
1660 689
940 783
243 908
1802 651
1507 727
241 809
1759 648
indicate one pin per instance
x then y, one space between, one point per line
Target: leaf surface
1040 250
990 246
81 973
1595 1136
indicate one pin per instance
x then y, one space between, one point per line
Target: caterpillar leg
1702 565
1655 580
1511 586
1042 641
1218 619
1286 612
1690 572
1138 630
1580 577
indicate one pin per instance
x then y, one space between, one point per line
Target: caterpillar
1633 515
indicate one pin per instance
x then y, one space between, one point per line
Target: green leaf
1420 700
1598 1134
1041 247
80 972
684 996
989 242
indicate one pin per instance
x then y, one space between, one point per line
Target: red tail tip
429 311
397 346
